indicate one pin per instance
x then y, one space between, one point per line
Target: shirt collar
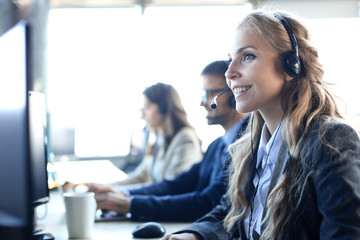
272 145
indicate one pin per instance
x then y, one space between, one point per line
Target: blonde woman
296 172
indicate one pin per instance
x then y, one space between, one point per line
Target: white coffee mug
80 213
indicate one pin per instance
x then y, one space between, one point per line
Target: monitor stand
40 236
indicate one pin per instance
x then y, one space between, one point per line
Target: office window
100 61
338 46
92 61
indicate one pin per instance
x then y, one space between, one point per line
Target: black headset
163 107
231 100
290 60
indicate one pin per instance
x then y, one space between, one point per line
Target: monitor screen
16 203
38 152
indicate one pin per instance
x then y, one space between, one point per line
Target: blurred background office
95 57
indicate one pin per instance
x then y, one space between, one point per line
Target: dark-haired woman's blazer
183 151
330 205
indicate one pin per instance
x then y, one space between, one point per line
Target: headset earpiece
163 105
290 61
162 108
291 64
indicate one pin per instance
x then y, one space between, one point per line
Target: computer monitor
23 175
38 155
38 145
16 203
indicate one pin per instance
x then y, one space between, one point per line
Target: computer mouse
149 230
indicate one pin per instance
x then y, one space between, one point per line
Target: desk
54 222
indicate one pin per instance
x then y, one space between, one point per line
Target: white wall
319 8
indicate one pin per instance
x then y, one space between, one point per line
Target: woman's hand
181 236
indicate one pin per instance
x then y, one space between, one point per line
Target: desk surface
51 219
55 223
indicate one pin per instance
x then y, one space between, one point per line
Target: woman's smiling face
254 74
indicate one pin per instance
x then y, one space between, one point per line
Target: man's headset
232 102
290 61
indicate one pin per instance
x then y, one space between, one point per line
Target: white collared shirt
266 159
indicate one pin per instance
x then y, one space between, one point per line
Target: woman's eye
248 57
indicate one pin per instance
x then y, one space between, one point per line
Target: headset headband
290 33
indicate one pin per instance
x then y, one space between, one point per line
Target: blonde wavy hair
307 99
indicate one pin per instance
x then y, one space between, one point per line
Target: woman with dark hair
176 147
296 170
173 117
175 150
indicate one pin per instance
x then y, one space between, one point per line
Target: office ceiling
144 3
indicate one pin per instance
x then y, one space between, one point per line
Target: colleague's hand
181 236
99 188
113 201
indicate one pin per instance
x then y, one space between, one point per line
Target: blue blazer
330 204
191 194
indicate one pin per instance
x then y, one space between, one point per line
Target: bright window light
337 41
101 60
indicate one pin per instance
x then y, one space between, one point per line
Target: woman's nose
230 73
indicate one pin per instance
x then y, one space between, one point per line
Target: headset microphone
213 104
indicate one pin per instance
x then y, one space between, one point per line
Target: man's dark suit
330 204
190 195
